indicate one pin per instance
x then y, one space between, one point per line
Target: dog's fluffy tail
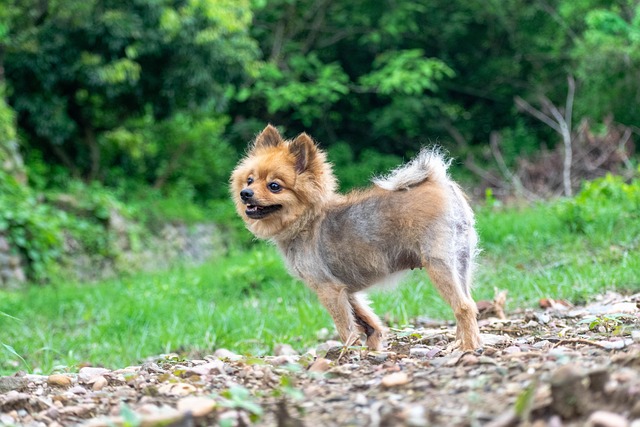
429 164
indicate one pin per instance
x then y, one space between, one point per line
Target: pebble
379 357
635 336
223 353
395 379
78 390
12 383
283 360
199 406
320 365
99 383
542 345
176 389
606 419
512 349
284 350
494 340
419 352
59 380
88 373
568 391
214 367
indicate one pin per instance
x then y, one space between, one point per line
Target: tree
81 69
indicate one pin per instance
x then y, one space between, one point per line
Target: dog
340 245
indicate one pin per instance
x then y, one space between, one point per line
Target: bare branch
571 92
525 106
494 141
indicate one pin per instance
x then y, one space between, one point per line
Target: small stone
606 419
635 336
176 389
469 360
320 365
99 383
415 416
568 391
512 349
59 380
88 373
6 419
78 390
324 348
360 399
542 345
378 357
284 350
12 383
494 340
214 367
395 379
419 352
223 353
283 360
543 318
199 406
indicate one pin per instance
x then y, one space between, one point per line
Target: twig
494 141
579 341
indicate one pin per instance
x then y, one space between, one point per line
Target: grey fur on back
430 163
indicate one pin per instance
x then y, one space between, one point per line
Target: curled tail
429 164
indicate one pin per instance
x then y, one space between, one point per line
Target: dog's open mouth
259 212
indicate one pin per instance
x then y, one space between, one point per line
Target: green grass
247 302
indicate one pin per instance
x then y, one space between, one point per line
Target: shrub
602 202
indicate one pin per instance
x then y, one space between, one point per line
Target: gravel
557 366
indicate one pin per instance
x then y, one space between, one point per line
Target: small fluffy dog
340 245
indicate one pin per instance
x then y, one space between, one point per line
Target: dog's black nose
246 194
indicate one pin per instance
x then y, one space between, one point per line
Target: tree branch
525 106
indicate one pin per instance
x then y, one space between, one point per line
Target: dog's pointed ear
304 150
269 137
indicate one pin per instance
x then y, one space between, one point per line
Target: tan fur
340 245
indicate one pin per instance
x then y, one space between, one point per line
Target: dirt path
559 366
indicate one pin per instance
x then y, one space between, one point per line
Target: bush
603 202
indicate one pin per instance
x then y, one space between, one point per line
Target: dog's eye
249 181
274 187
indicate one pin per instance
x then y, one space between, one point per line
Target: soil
554 366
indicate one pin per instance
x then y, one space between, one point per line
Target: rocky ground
556 366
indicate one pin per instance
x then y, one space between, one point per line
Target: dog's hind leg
336 300
446 279
367 320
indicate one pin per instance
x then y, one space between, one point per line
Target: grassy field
247 302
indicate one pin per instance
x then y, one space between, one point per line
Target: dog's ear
269 137
304 151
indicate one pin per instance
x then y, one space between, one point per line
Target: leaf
2 313
15 353
130 418
525 400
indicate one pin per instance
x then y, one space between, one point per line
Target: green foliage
238 397
32 227
406 72
586 212
607 57
36 223
305 91
81 72
7 122
358 173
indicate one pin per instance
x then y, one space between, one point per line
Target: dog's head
280 182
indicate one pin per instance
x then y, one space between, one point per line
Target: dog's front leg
336 300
